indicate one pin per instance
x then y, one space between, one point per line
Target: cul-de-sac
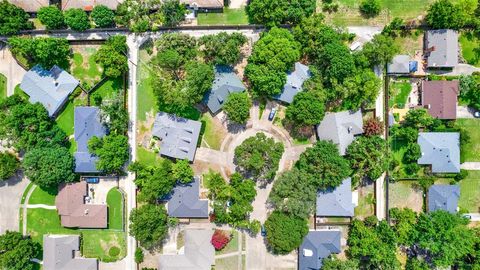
239 134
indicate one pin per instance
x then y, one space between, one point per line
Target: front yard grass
470 151
470 44
147 157
399 95
3 87
40 196
228 16
146 101
115 209
470 192
213 134
232 246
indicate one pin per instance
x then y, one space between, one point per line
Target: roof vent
184 149
307 253
350 129
189 130
86 212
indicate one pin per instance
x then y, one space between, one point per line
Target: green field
399 94
115 209
145 96
229 17
40 196
470 151
84 67
3 86
470 192
470 44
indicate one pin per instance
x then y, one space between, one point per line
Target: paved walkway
471 166
44 206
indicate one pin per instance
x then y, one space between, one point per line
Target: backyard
3 86
83 65
406 194
366 202
399 93
229 16
470 151
213 132
470 44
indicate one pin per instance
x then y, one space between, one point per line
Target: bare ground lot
403 194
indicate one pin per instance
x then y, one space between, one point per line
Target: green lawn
399 94
229 17
97 243
83 66
232 246
145 96
109 88
470 192
3 86
366 205
470 151
404 194
115 209
470 44
147 157
65 118
19 91
40 196
211 135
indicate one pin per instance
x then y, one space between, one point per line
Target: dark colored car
263 231
92 180
272 114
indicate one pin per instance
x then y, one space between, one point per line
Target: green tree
276 12
154 182
323 164
370 8
9 164
265 81
103 16
112 152
51 17
237 107
333 263
285 233
418 118
13 19
17 251
404 221
148 224
368 158
48 167
336 63
114 115
443 14
170 61
139 255
182 171
77 19
380 50
362 88
258 157
184 44
307 109
136 15
222 48
173 12
217 186
112 56
44 51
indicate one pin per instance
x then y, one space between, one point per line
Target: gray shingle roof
442 46
86 124
179 136
441 150
58 254
399 65
185 201
225 83
49 87
295 80
199 253
341 128
443 197
336 202
316 246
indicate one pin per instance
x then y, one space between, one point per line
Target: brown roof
440 97
30 5
74 212
88 5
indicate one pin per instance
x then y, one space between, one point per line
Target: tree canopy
222 48
154 182
380 50
237 107
444 14
368 158
173 12
307 109
13 19
51 17
44 51
114 115
103 16
9 164
112 152
276 12
182 172
285 233
370 8
112 56
17 251
77 19
148 224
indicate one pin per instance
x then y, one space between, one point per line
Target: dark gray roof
87 124
336 202
199 253
341 128
179 136
225 83
49 87
295 80
442 48
58 254
316 246
441 150
399 65
443 197
185 201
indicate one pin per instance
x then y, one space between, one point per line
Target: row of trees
75 18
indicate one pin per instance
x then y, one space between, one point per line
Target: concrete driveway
465 112
10 68
11 192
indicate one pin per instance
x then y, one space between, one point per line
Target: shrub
77 19
462 175
139 255
370 8
373 126
412 168
220 239
114 251
103 16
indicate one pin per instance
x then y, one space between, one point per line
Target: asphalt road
10 197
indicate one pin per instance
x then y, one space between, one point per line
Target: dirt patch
405 194
144 132
246 51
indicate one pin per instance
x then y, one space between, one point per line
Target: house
185 202
402 65
443 197
88 5
225 83
337 202
30 6
440 98
295 80
49 87
341 128
179 136
204 5
441 48
86 124
440 150
198 254
59 253
74 209
316 246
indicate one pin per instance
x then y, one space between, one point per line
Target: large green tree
148 224
333 263
237 107
324 165
18 251
77 19
368 157
45 51
258 157
285 233
444 14
154 182
51 17
112 56
114 115
370 8
173 12
112 152
136 15
9 164
103 16
336 63
182 171
48 167
13 19
222 48
276 12
307 109
380 50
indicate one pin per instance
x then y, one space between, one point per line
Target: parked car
476 114
272 114
263 231
467 216
92 180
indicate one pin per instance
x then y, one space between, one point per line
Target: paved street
10 197
10 68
